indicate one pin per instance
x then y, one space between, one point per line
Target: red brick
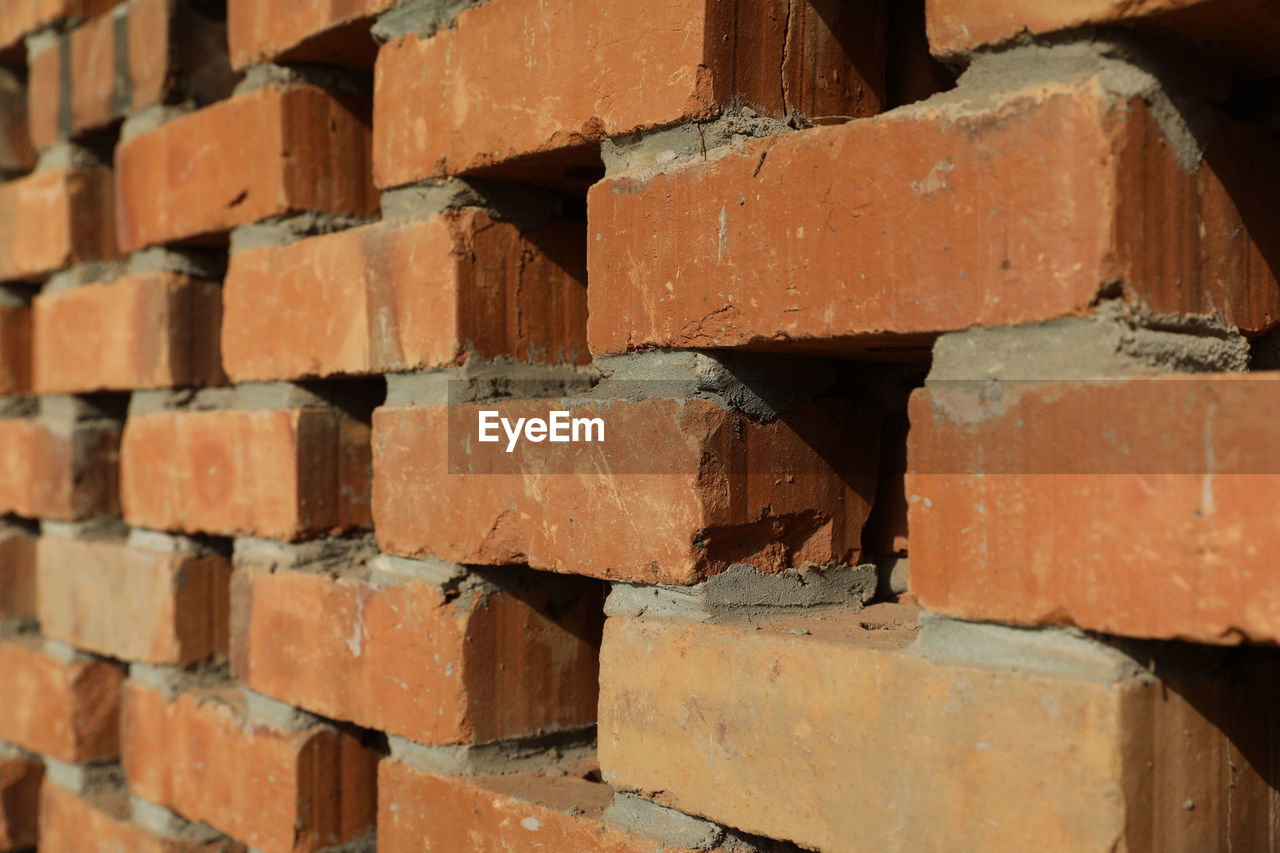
330 32
133 602
17 573
154 330
880 749
1024 208
69 711
270 152
418 810
53 219
44 94
15 345
16 153
527 77
1145 515
278 474
22 17
684 488
73 823
358 301
277 791
58 470
1249 28
414 661
19 801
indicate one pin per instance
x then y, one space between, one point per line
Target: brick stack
930 507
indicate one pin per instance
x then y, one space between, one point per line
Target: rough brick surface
276 791
16 152
297 149
69 711
323 31
133 602
15 345
19 801
279 474
406 295
92 823
54 218
17 573
22 17
58 470
147 331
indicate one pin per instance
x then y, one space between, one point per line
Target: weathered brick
274 151
133 600
330 32
55 218
415 660
989 209
15 344
16 153
17 572
404 295
684 488
276 790
888 750
58 470
154 330
93 823
22 17
19 801
608 69
69 711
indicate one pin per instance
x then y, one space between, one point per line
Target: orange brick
22 17
15 345
409 659
1022 208
295 149
486 92
277 791
278 474
684 488
17 573
44 94
16 153
888 750
92 823
19 801
495 813
57 470
133 601
53 219
330 32
68 711
1248 28
141 331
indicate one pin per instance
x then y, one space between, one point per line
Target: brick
133 602
276 790
53 219
278 474
15 345
684 487
22 17
414 660
1146 515
295 149
888 750
154 330
328 32
17 573
69 710
358 301
19 801
605 70
57 470
1028 206
1248 28
493 813
92 823
16 153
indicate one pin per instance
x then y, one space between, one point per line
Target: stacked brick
929 507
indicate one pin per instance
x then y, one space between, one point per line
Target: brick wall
931 349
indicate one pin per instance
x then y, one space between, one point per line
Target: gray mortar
649 151
527 206
391 570
517 755
166 543
161 821
65 155
277 714
331 78
85 779
419 17
195 263
171 681
14 297
1059 652
17 626
95 529
280 230
348 556
473 381
895 574
94 272
249 396
150 118
19 406
69 408
65 653
636 814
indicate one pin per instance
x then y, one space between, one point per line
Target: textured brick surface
54 218
19 801
15 345
325 31
93 823
58 470
17 573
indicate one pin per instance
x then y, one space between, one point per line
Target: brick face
327 31
55 218
58 470
90 823
20 795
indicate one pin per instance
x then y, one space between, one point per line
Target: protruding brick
15 344
16 153
155 330
278 474
684 488
888 750
132 601
415 660
92 823
274 151
406 295
329 32
276 790
19 801
58 470
69 711
22 17
605 70
17 573
53 219
989 209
